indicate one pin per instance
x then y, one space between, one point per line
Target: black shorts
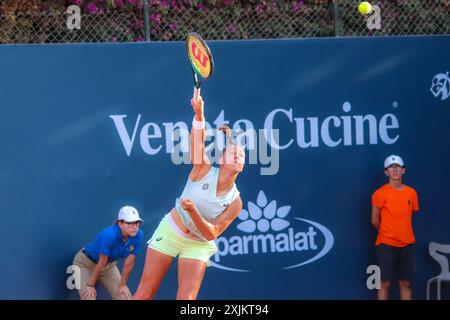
396 263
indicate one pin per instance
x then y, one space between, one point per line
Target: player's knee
404 284
186 295
385 285
143 296
148 294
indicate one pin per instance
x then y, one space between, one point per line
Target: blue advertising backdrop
87 128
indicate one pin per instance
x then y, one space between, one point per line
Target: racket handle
196 93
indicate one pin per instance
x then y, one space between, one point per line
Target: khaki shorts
109 277
166 240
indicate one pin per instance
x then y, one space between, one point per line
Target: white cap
393 159
129 214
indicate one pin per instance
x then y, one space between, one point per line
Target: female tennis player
209 203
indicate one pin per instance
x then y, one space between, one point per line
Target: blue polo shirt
109 242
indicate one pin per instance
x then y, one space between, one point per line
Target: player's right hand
197 106
90 293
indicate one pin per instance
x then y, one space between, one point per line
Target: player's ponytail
228 134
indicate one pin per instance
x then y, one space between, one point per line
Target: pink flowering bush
123 20
169 19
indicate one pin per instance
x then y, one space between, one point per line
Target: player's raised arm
198 136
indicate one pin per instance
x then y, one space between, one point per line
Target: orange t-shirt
396 215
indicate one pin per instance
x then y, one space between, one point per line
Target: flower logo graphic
263 216
440 86
267 231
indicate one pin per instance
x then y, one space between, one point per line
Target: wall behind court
86 129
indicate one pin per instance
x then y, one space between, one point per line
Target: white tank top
203 193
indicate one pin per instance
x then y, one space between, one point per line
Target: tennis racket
201 60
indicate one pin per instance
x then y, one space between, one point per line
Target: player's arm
376 217
199 158
211 230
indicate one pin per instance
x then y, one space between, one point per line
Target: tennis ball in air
365 7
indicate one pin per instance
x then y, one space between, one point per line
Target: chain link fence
52 28
280 19
400 17
244 23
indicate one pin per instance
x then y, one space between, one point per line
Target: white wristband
198 124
